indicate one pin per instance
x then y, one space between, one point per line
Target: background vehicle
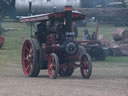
97 51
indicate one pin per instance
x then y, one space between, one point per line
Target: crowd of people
88 36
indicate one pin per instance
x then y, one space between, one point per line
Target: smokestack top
68 8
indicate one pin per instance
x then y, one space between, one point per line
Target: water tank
43 6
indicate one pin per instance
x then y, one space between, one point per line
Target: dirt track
105 81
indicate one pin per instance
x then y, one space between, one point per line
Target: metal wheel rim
27 58
51 66
84 66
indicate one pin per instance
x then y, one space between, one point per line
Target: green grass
14 42
105 29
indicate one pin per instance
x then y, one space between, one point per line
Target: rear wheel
30 59
53 66
86 66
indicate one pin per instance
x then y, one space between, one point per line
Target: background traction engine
59 53
2 39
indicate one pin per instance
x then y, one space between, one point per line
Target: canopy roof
50 16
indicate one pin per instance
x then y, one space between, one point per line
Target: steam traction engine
57 51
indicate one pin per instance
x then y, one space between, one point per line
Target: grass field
15 39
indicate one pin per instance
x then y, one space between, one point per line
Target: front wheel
53 66
86 66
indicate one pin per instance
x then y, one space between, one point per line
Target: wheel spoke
53 66
29 66
32 55
84 63
52 71
85 72
31 61
25 59
84 67
52 60
27 49
31 51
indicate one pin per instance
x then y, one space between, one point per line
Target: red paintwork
75 57
51 39
48 49
58 15
50 46
27 58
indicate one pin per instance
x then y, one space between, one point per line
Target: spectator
86 35
93 36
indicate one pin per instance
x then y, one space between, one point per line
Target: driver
42 32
